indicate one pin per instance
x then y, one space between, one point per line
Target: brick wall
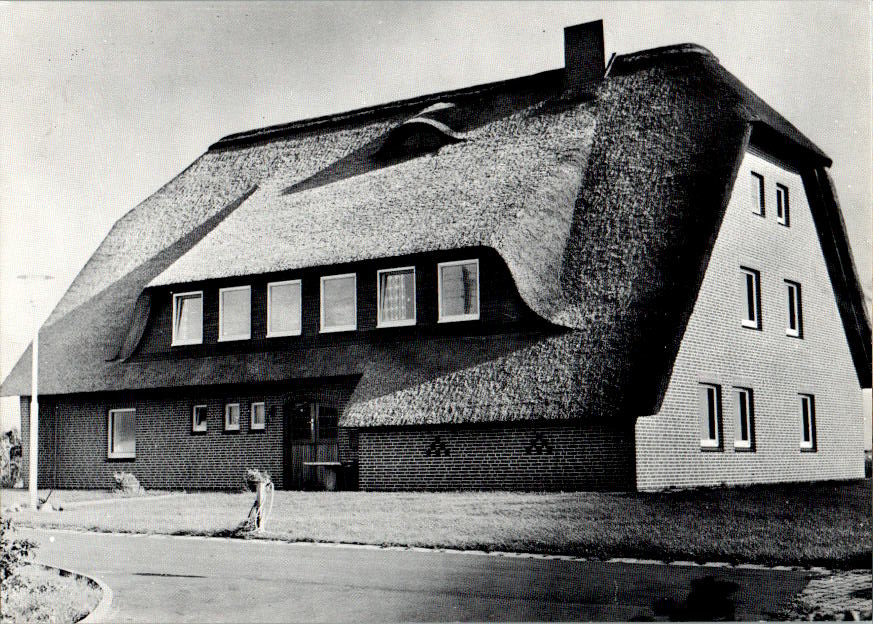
524 456
168 454
717 349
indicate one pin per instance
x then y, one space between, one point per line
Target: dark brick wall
500 306
516 456
168 454
522 456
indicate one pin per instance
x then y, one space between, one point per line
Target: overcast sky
104 103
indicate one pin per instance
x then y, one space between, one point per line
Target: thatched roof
594 205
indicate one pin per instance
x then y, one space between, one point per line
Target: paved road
171 579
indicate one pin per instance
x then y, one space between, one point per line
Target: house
606 276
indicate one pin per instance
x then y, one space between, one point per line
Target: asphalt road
172 579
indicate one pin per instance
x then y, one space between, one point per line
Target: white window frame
783 205
795 296
204 426
712 443
227 425
761 208
276 334
404 322
176 296
457 317
257 426
808 445
739 393
110 429
329 330
754 323
221 336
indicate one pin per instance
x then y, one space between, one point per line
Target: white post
261 498
33 439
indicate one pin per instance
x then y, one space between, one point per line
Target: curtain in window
236 313
339 302
460 289
396 296
124 432
284 308
189 318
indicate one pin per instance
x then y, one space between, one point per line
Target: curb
101 611
486 553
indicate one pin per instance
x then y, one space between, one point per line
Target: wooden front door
310 437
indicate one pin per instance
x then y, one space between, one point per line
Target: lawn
807 524
36 595
10 497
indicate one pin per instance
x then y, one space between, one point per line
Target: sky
106 102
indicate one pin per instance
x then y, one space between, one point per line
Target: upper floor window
198 418
782 212
458 290
188 318
795 310
235 313
744 426
283 308
339 303
752 289
758 195
807 422
710 416
121 434
395 295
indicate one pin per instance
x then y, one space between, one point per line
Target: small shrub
10 458
12 551
254 477
126 484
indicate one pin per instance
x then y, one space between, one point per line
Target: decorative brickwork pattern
538 445
716 349
585 456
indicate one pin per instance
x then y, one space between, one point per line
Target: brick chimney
584 57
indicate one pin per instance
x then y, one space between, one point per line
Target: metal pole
33 441
33 438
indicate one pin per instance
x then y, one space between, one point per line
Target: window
710 416
235 313
259 416
327 422
338 303
283 309
795 310
782 205
121 434
198 418
758 193
395 296
188 318
745 413
458 290
807 422
231 417
302 422
752 309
